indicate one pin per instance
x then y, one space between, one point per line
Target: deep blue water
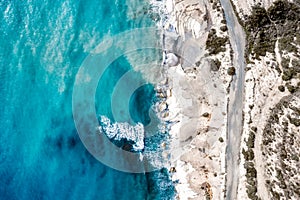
142 99
42 46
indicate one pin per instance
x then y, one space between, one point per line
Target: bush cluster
263 27
215 44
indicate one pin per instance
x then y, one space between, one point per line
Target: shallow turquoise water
42 46
140 100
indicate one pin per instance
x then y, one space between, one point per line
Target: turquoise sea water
42 46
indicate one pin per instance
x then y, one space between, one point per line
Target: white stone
171 59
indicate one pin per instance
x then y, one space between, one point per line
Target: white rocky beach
198 103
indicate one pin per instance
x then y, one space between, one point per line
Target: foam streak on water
123 130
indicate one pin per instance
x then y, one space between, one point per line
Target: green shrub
248 155
231 71
295 121
223 28
223 21
206 114
281 88
254 128
215 65
221 139
291 88
215 44
251 140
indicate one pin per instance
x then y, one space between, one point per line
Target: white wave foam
123 130
159 7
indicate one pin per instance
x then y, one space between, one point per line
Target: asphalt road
235 123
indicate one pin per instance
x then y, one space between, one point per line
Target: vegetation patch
215 65
281 88
251 173
223 28
263 27
231 71
206 114
221 139
261 33
215 44
279 142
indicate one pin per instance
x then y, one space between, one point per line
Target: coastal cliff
196 33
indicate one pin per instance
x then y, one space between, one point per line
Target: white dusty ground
261 83
261 92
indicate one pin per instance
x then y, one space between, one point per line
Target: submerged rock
172 169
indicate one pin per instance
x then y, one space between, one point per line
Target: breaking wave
119 131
